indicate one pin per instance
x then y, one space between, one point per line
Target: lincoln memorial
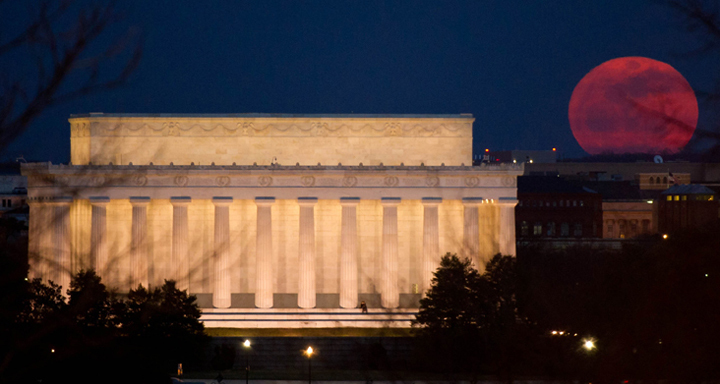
290 215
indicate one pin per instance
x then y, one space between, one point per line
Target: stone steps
303 318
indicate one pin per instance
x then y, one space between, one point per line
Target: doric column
179 262
349 253
390 296
37 239
263 270
306 270
61 242
98 234
471 231
431 240
221 291
138 244
506 225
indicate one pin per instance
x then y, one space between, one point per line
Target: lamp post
246 345
309 353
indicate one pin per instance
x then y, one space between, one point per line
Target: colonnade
57 268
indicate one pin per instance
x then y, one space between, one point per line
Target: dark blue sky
512 64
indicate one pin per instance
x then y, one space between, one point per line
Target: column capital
307 201
139 201
349 201
472 201
99 201
507 201
180 201
60 200
264 201
431 201
222 201
390 201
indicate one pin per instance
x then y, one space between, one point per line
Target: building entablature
206 181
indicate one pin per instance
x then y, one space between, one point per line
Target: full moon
633 105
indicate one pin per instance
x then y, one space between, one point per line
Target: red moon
633 105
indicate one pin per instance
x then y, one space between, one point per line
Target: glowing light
514 161
52 350
487 150
649 201
530 161
665 236
554 149
588 344
246 344
554 332
561 333
706 275
309 352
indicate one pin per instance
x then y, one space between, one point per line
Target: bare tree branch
61 49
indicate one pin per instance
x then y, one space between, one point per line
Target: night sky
512 64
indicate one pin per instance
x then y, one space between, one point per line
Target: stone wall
267 139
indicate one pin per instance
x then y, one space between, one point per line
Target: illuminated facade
269 211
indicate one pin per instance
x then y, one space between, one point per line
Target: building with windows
686 206
550 207
266 216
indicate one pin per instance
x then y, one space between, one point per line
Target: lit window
582 203
711 197
684 198
669 198
537 229
676 197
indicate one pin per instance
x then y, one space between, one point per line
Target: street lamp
246 344
588 344
309 353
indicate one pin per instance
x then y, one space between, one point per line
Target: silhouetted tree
470 320
90 304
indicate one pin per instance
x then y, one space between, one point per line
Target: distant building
627 210
662 180
639 171
13 193
553 208
684 206
517 156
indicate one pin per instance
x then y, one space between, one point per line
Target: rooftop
688 189
274 115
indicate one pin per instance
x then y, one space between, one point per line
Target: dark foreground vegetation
651 310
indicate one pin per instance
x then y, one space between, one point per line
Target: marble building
269 211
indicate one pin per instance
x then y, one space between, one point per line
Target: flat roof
273 115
